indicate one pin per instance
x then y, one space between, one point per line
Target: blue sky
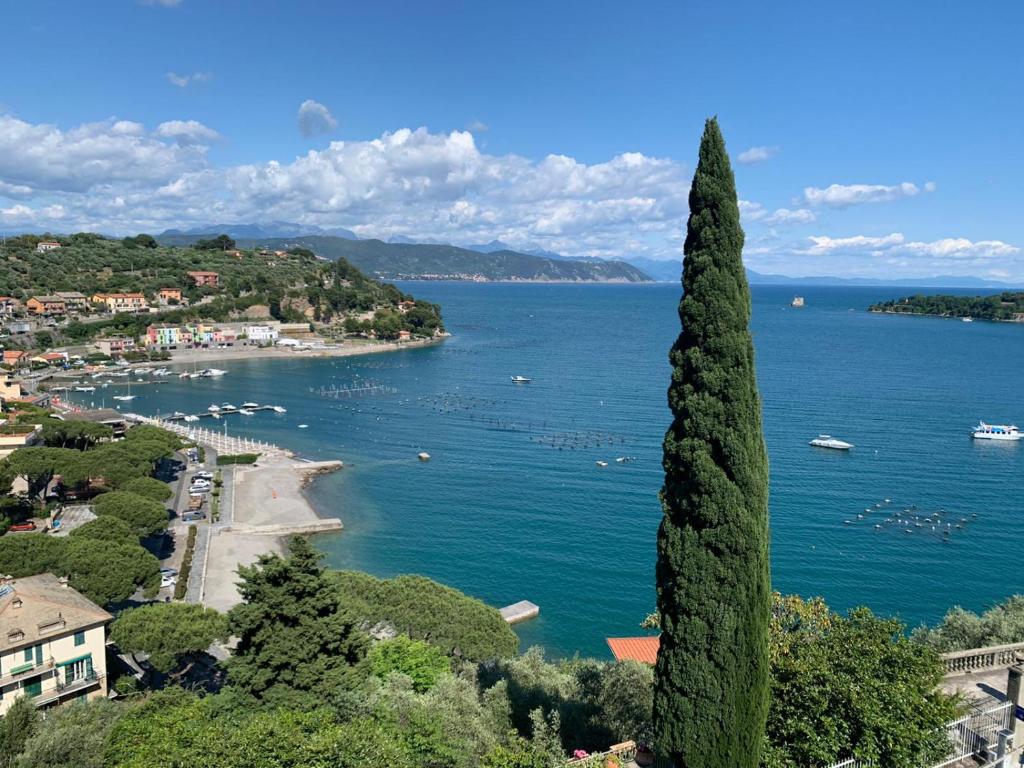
885 139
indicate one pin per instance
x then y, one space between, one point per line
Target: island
1005 307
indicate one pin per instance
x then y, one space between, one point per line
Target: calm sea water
513 506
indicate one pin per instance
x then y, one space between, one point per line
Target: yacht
520 380
227 407
996 432
250 405
827 441
213 408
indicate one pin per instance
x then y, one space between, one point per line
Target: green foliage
145 516
236 458
74 434
17 726
519 754
149 487
296 644
961 630
218 243
711 691
107 528
185 572
168 631
852 686
425 610
27 554
421 662
1002 306
73 736
109 573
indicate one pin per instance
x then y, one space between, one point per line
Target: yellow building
121 302
52 642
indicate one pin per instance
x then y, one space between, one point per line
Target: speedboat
280 409
227 407
602 463
250 405
968 319
191 418
520 380
85 389
303 426
246 412
996 432
827 441
213 408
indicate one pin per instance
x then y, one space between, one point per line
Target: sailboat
129 396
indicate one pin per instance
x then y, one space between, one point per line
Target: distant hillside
1003 306
243 231
396 261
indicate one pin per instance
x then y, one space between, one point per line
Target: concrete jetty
520 611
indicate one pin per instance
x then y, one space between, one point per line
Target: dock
521 611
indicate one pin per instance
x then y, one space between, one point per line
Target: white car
204 475
168 580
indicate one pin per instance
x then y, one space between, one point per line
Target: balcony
25 672
67 690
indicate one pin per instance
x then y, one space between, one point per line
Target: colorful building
115 346
52 642
170 294
121 302
202 279
46 305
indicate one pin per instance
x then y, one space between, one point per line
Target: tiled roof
643 649
35 608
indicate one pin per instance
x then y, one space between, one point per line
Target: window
80 638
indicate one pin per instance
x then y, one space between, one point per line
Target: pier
211 438
521 611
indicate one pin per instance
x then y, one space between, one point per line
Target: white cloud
46 158
845 195
315 118
187 132
183 81
961 248
477 126
823 244
751 212
756 155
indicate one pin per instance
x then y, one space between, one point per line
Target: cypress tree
711 686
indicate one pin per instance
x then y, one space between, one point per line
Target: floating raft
520 611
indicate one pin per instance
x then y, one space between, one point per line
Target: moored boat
520 380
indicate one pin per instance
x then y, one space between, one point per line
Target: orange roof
643 649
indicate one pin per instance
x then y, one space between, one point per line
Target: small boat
827 441
303 426
601 463
191 418
213 408
85 389
967 319
177 415
424 456
250 405
227 407
246 412
993 431
216 415
184 375
280 409
798 301
125 397
520 380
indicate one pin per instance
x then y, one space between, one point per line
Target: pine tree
296 646
711 688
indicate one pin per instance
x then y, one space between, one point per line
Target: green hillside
1002 306
395 261
295 286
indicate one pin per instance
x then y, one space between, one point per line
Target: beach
347 349
262 505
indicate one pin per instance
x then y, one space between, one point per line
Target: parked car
170 571
204 475
194 514
26 526
196 491
168 580
200 481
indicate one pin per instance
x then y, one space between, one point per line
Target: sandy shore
203 356
267 504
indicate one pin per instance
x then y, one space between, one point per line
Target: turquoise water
512 505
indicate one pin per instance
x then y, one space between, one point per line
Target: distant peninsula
1004 307
432 261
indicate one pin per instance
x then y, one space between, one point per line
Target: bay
512 504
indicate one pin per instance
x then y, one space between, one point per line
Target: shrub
237 458
422 662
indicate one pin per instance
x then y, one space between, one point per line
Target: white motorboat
827 441
967 319
213 408
280 409
227 407
250 405
996 432
125 398
602 463
85 389
246 412
191 418
520 380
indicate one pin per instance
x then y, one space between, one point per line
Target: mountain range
405 257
